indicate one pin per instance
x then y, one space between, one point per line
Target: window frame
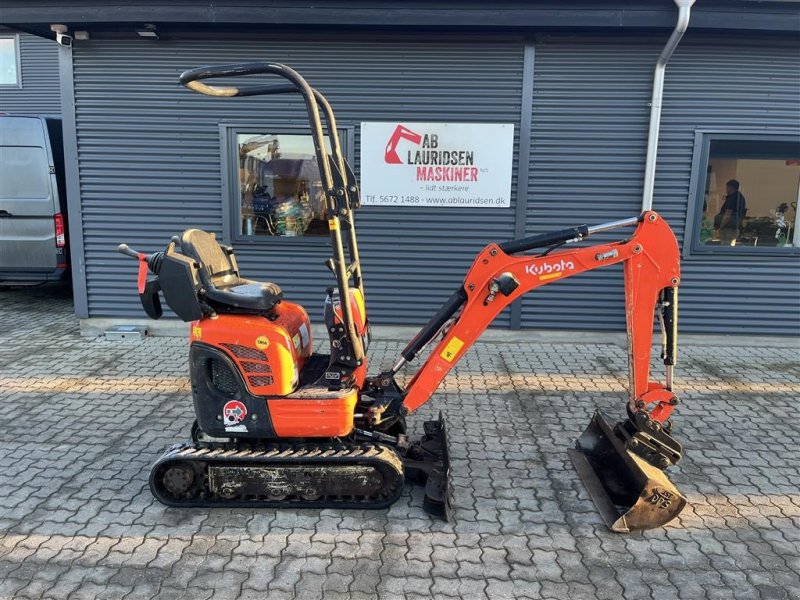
17 58
692 247
229 159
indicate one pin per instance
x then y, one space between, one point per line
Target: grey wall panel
39 93
589 132
149 157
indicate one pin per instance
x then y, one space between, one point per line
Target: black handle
191 79
231 92
544 239
5 213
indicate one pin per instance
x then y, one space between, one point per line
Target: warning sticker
197 332
233 412
452 348
550 276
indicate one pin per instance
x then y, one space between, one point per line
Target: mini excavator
278 425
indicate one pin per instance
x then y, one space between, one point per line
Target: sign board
436 164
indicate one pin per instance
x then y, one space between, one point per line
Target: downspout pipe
684 8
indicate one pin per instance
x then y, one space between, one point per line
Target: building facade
29 80
149 158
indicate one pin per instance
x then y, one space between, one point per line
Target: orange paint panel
268 353
294 417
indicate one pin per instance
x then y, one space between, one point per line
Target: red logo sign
234 412
431 161
400 133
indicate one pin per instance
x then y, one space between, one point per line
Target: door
27 200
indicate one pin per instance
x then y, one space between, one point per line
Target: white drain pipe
684 8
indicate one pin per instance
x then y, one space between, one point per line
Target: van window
24 173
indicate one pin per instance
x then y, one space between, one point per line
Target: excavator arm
620 464
650 258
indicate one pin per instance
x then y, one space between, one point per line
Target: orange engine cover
268 353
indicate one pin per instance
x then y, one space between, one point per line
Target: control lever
127 251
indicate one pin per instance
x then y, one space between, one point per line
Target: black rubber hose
433 326
544 239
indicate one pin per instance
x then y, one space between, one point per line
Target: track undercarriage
339 473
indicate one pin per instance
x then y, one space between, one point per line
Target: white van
33 214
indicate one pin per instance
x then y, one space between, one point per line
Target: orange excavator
278 425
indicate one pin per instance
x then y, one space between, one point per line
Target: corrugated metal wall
589 135
149 157
149 161
40 91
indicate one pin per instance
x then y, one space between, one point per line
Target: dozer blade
428 463
630 493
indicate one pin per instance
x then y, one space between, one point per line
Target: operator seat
219 273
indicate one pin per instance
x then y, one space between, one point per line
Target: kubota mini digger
278 425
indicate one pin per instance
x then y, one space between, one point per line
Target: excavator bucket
630 493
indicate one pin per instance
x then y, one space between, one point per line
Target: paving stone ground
84 418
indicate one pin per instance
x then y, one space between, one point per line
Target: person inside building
730 216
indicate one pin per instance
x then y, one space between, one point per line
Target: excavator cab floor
427 462
630 493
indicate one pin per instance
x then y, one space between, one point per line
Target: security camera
62 37
64 40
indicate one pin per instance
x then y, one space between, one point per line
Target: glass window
751 194
279 188
9 67
24 173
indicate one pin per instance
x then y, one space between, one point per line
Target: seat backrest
203 247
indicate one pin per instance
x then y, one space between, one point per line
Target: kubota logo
547 268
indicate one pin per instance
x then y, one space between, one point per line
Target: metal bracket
650 439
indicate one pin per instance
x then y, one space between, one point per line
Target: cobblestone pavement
84 418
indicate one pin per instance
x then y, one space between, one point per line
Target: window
747 190
9 61
274 183
24 173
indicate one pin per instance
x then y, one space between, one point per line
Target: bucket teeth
630 493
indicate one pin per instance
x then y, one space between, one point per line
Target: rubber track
384 458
